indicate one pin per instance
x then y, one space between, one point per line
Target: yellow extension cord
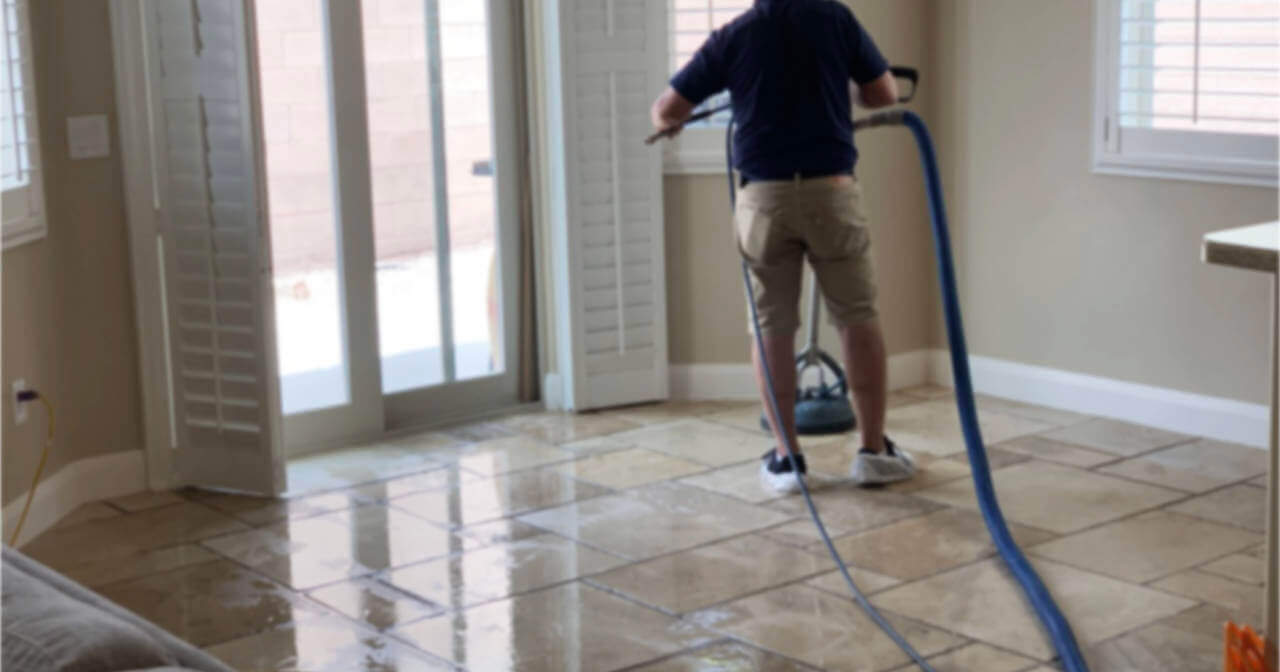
35 481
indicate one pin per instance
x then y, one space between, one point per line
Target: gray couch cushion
19 570
45 629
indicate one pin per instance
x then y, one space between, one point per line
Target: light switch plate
89 136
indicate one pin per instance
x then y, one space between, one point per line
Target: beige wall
1064 268
706 308
68 322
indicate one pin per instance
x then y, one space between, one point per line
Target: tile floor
640 539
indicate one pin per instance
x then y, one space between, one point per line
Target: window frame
29 224
1204 156
698 150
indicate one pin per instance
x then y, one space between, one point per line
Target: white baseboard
1173 410
76 484
737 381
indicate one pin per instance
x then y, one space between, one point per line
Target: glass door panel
298 144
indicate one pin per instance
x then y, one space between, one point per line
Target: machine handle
911 75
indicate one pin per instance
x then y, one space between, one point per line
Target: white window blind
700 149
1189 88
19 153
691 22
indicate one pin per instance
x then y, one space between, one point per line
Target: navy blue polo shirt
787 66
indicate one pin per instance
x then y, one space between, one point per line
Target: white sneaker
778 475
890 466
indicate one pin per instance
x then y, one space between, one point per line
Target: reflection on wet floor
640 538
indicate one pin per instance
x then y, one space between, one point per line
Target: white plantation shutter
1190 88
20 177
215 256
609 58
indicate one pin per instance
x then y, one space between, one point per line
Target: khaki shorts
781 223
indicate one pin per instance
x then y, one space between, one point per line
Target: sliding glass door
387 128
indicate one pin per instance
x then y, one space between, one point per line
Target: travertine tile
145 500
310 552
443 477
711 574
1239 505
1055 497
1243 600
568 627
139 564
500 570
654 520
1195 467
557 427
671 411
996 458
1051 416
106 539
701 441
87 513
327 644
845 510
375 603
212 602
929 392
498 531
266 510
1116 437
1043 448
934 427
1188 642
727 656
356 466
500 456
1243 567
629 468
740 481
976 658
867 581
820 629
1146 547
926 545
489 499
984 602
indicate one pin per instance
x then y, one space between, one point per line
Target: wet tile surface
968 599
500 570
630 468
569 627
640 538
654 520
820 629
1055 497
707 575
925 545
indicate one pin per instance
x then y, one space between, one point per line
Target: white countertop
1254 247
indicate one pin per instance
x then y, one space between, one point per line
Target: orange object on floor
1242 649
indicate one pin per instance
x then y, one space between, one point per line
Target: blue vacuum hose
1054 622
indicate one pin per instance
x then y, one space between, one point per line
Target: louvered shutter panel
216 276
612 57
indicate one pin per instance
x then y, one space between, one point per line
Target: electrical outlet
19 407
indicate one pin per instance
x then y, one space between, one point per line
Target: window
1188 89
700 148
23 199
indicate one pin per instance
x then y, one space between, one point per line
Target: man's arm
879 92
670 111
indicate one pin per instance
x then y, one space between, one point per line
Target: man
787 65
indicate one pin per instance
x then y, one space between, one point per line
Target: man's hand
669 112
879 92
